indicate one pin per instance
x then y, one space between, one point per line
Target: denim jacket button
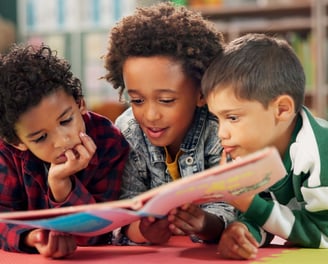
189 160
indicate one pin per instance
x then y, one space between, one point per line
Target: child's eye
167 101
232 118
66 121
40 139
136 101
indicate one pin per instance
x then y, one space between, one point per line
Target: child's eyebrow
162 90
223 112
228 111
31 135
68 109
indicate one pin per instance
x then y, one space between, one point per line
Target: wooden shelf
237 20
238 27
302 16
303 8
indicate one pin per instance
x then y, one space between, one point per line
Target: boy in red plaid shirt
53 152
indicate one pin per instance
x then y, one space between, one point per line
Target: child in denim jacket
158 56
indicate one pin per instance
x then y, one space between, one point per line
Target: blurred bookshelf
78 30
301 22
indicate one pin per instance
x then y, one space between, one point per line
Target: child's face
163 99
245 126
51 127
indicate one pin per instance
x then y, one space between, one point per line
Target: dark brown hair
258 67
27 75
162 30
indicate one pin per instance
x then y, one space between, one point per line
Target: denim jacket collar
131 130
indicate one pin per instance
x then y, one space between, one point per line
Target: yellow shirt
172 166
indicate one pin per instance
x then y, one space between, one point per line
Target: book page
248 175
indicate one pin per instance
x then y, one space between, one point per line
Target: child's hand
190 219
51 244
237 243
77 159
225 158
187 219
154 230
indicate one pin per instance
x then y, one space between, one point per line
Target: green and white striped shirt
298 210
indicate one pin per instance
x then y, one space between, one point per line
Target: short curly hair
162 29
27 75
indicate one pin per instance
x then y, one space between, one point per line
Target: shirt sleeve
299 226
263 210
11 199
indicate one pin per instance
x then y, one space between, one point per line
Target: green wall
8 10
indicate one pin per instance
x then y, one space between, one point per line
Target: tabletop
178 250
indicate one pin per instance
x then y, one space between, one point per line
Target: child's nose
151 113
62 140
223 132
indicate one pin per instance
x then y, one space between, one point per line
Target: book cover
248 175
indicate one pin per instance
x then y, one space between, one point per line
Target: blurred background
78 30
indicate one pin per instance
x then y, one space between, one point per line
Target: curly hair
162 30
27 75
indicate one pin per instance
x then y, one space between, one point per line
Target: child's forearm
60 189
243 203
134 234
213 228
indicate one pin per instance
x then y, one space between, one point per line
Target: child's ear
20 146
284 107
82 107
201 100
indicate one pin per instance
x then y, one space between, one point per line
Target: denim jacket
146 168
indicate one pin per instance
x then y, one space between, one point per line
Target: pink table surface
178 250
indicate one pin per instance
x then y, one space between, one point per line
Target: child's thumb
36 237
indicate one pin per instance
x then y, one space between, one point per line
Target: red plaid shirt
23 180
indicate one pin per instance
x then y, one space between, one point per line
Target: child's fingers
245 245
231 248
88 143
60 245
237 242
252 240
175 230
223 159
185 206
151 219
66 245
246 251
84 151
82 154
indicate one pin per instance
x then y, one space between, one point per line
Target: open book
248 175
